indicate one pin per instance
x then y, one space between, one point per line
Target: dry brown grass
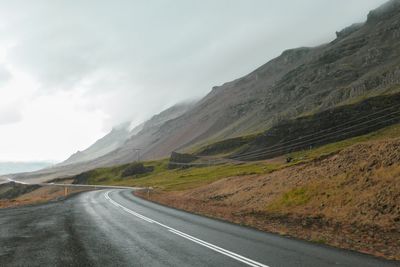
349 199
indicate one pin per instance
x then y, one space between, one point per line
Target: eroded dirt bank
350 199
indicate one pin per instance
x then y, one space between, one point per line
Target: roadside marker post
148 191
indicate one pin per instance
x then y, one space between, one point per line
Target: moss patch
292 198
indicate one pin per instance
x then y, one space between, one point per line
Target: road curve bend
111 227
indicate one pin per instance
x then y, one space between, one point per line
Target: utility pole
138 153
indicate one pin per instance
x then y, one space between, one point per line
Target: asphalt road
113 228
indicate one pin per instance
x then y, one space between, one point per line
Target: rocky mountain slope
363 61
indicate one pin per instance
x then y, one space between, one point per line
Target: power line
325 130
301 144
209 162
281 147
319 139
308 140
188 163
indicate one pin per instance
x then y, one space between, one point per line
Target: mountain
15 167
361 62
120 141
119 136
146 138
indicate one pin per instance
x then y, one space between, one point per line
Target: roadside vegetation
347 198
292 198
165 179
156 174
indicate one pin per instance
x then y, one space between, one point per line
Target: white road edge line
220 250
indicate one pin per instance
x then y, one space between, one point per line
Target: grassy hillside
177 179
165 179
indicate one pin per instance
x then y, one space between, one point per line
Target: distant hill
17 167
121 139
106 144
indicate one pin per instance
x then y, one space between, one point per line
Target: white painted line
222 251
215 248
127 210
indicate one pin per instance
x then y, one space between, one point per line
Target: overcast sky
70 70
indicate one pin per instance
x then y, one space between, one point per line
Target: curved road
113 228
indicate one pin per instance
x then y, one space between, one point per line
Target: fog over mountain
362 62
71 70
